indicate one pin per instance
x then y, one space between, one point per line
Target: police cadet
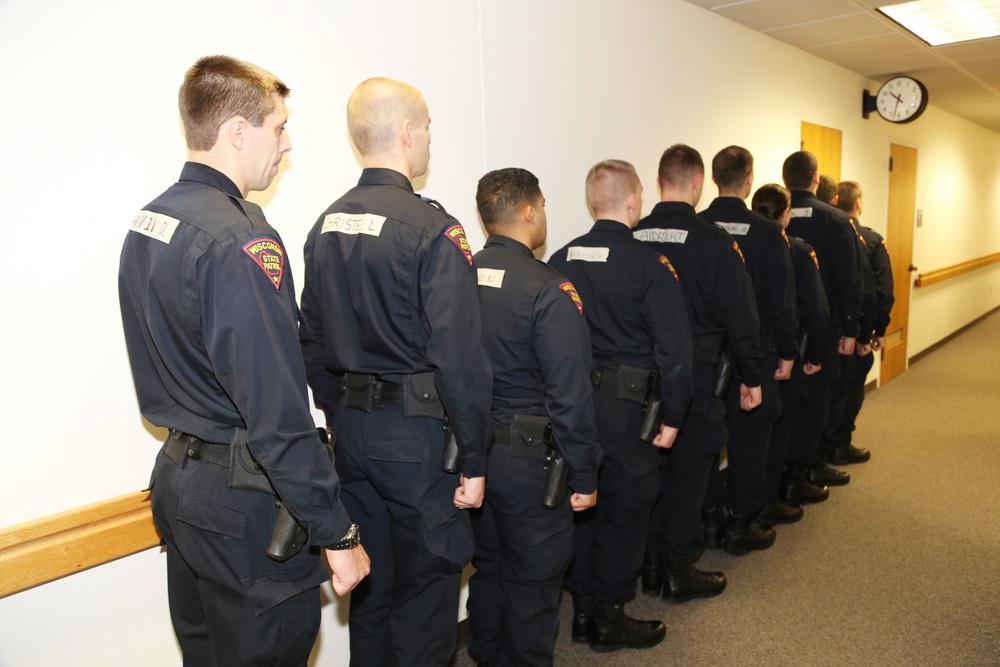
209 312
721 306
828 230
813 318
641 344
768 261
390 304
843 452
544 437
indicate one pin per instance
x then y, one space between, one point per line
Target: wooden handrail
46 549
925 279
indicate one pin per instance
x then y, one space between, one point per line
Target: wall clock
901 99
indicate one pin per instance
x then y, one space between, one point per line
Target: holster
557 480
450 459
723 373
803 345
244 471
288 536
528 435
652 409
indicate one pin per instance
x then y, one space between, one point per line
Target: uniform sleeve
883 284
450 307
778 278
665 314
813 305
326 386
869 312
847 279
737 311
250 336
562 345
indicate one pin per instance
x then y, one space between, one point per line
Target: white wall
90 132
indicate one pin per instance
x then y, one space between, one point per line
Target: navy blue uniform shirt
538 343
390 291
878 255
634 307
813 308
208 307
719 295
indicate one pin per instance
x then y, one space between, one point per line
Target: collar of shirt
507 242
382 176
612 226
674 206
202 173
803 196
728 202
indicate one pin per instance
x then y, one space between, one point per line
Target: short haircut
609 183
375 110
217 88
731 166
849 192
501 193
799 169
827 189
679 165
771 200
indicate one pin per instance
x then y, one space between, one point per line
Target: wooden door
825 143
899 239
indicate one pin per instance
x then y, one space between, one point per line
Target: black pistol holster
652 409
288 536
714 349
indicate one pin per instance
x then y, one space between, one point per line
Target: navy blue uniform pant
793 393
838 403
609 540
804 448
853 400
392 485
522 552
230 604
685 469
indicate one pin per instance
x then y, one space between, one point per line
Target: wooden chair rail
931 277
46 549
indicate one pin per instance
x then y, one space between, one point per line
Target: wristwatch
352 540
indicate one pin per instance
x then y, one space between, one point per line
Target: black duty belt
605 379
184 445
707 347
381 391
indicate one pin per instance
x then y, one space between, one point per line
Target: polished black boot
614 630
843 455
584 607
686 582
776 512
823 474
743 535
798 490
652 571
715 526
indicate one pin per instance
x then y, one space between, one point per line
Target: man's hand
812 369
784 370
580 502
349 567
863 350
665 438
846 346
750 397
470 494
878 343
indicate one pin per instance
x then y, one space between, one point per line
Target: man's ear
406 132
235 130
529 213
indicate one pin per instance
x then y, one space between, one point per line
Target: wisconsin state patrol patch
269 256
570 290
739 252
457 235
815 259
666 262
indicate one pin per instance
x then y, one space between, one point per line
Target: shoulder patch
570 290
785 236
815 259
269 256
885 245
666 262
456 233
739 252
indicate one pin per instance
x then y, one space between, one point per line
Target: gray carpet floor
900 567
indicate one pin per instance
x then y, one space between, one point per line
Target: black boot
824 474
776 512
798 490
614 630
743 535
686 582
843 455
584 607
652 571
715 526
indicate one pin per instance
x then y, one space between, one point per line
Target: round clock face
901 99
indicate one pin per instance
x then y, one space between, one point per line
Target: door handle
913 268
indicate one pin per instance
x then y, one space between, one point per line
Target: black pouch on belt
529 437
244 471
420 396
359 391
633 383
652 409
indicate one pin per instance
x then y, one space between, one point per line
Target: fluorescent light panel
940 22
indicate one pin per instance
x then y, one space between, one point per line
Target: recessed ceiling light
940 22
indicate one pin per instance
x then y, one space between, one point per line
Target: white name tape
155 225
587 254
353 223
662 235
491 277
735 228
804 212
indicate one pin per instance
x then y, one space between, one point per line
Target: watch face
901 99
